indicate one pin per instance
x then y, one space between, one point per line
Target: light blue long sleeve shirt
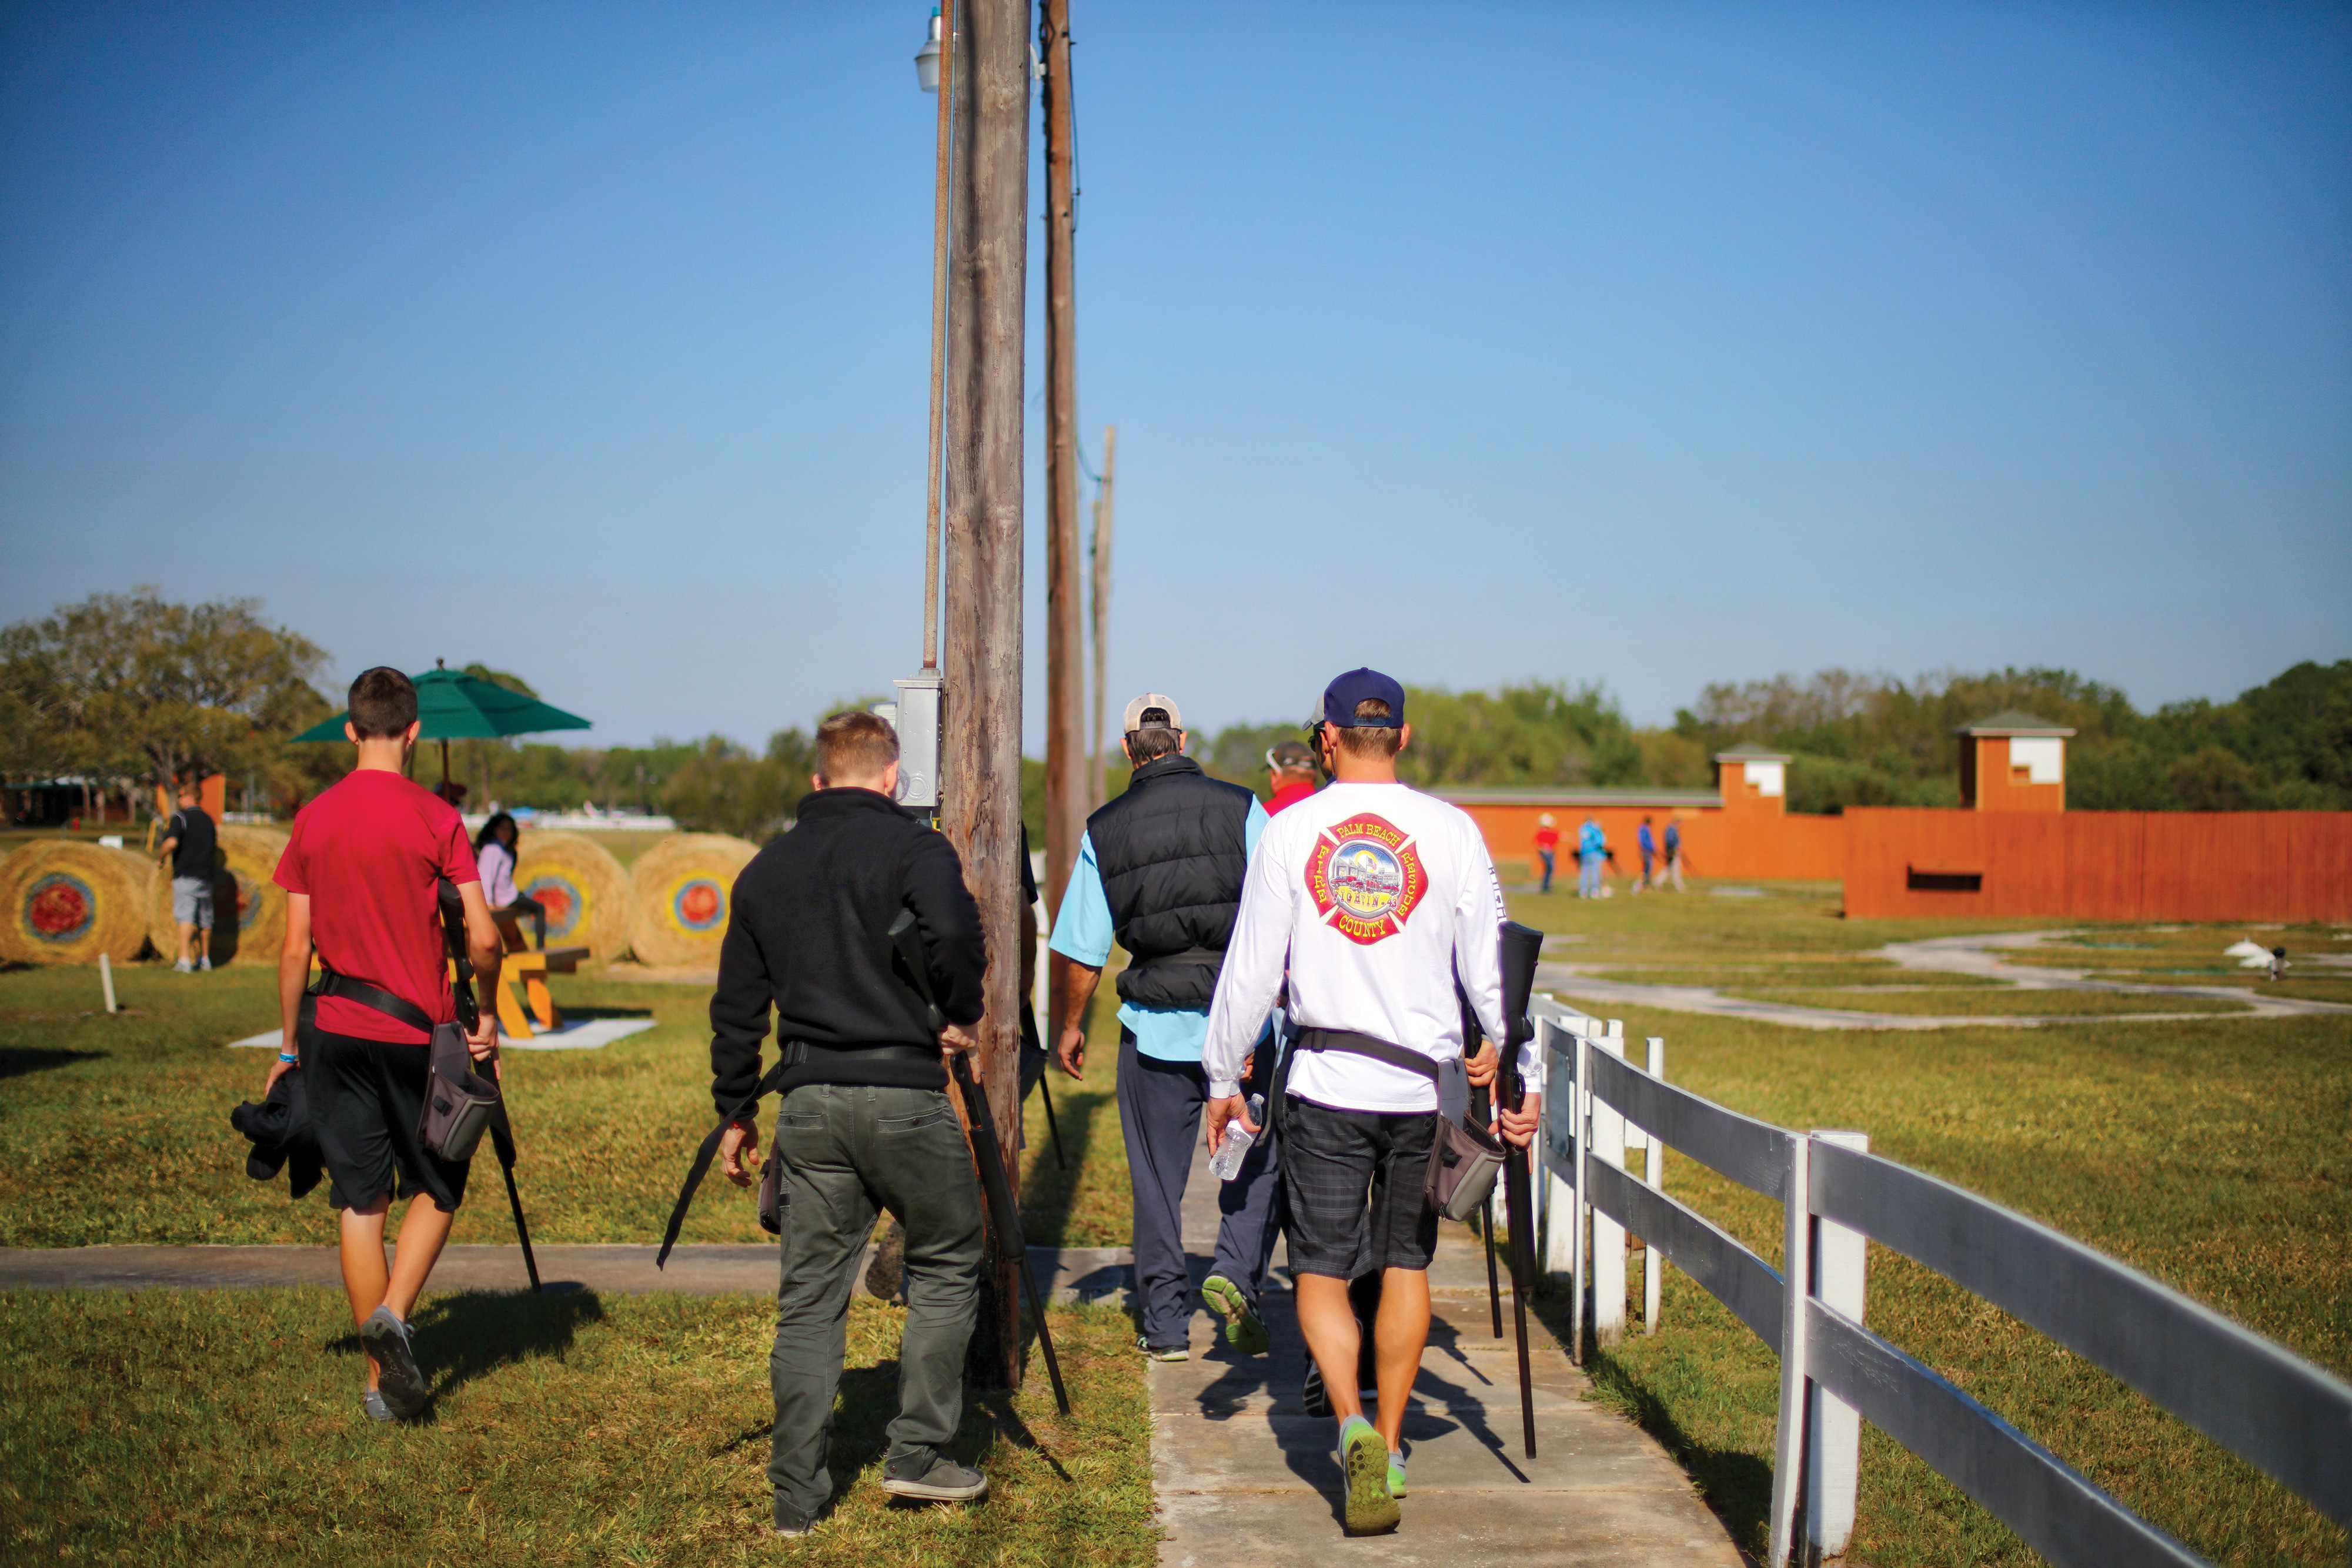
1083 933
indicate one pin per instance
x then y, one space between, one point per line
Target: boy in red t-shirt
362 874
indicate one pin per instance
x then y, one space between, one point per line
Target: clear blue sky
1648 345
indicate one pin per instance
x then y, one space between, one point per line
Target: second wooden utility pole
1096 788
1067 799
980 761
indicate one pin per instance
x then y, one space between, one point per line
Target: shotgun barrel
1521 944
987 1151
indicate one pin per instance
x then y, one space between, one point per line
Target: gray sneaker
789 1523
373 1405
397 1376
933 1480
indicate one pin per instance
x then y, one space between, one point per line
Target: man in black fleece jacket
864 1124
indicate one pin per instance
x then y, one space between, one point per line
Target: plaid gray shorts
1330 1160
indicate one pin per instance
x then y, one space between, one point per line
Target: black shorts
367 1097
1331 1158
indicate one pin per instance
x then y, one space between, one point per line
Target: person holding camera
362 870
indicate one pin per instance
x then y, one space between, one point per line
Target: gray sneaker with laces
397 1375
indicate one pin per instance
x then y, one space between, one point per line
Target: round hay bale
586 891
63 902
679 896
245 884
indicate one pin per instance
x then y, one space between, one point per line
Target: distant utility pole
1096 789
1067 799
980 761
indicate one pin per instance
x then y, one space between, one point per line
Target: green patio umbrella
456 707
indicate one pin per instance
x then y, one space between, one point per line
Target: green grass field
2210 1152
224 1428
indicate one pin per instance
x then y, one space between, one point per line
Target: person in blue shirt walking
1648 845
1159 871
1591 845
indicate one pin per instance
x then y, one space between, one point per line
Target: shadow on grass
1737 1487
17 1060
1048 1189
471 1333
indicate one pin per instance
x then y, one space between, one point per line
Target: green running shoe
1396 1475
1372 1508
1244 1331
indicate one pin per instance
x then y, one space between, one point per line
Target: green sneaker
1372 1508
1396 1474
1162 1351
1244 1331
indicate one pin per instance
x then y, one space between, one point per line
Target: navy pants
1159 1113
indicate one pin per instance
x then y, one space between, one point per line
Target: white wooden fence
2280 1413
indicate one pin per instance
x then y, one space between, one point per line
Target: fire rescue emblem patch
1365 877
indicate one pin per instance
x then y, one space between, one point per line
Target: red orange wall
1716 842
2102 865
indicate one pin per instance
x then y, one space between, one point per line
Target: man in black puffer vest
1159 871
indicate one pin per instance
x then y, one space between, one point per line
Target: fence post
1609 1234
1834 1427
1581 1119
1654 1172
1559 1230
1789 1439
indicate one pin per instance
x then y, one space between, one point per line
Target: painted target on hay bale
248 906
65 903
679 895
585 890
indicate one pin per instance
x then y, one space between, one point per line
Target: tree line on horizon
133 689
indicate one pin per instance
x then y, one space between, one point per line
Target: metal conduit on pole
1067 798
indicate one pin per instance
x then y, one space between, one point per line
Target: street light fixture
926 58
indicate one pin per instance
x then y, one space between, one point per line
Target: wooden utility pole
1095 787
1067 798
981 762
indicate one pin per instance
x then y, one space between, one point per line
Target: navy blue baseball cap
1340 698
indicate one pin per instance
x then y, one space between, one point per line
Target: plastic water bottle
1226 1163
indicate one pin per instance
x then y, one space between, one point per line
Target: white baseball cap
1133 720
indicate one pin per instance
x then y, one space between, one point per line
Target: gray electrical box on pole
917 721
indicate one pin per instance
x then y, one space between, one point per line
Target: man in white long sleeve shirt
1377 900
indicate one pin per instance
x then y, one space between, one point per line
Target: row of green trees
1877 740
133 688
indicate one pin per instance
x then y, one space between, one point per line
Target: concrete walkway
1245 1477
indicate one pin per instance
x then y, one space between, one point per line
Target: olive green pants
848 1153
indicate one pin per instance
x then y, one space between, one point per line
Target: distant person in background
192 848
494 851
1674 869
1547 847
1648 845
1591 845
1292 766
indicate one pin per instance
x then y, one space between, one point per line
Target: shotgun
1482 1114
986 1151
469 1013
1521 944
